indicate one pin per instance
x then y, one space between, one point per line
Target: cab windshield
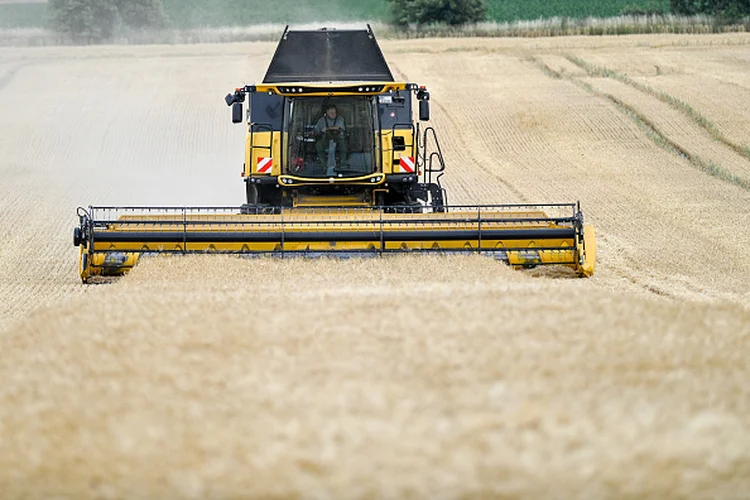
331 136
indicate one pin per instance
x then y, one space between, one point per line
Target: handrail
429 170
262 127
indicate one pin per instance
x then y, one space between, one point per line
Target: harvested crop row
681 77
682 132
726 108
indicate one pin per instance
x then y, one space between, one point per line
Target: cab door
264 153
397 133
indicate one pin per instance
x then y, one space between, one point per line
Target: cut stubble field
219 377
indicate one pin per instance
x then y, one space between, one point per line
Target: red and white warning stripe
264 165
406 163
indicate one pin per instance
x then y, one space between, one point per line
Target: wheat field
402 377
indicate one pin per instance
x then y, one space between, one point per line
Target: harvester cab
330 126
335 163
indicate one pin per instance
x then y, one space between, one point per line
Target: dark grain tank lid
328 55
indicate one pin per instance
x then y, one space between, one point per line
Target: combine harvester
336 164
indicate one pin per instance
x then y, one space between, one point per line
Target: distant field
195 13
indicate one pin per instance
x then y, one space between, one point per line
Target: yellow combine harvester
336 164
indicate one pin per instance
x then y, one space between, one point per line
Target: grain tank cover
326 56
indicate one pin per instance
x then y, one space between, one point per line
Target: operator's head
331 111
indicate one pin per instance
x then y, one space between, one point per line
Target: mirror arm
239 94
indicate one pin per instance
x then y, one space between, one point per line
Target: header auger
335 164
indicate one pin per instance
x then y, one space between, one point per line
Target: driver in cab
330 127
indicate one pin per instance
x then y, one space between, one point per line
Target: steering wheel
332 134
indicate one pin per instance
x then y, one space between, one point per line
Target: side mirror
399 144
424 104
424 110
237 112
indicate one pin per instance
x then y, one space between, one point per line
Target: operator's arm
320 126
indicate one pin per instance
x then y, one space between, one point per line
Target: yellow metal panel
589 246
391 157
256 146
387 152
354 200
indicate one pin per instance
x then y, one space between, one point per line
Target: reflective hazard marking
406 163
264 165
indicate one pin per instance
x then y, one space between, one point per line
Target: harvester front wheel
251 192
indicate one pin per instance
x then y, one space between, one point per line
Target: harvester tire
251 191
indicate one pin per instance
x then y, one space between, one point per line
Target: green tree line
457 12
99 20
726 9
